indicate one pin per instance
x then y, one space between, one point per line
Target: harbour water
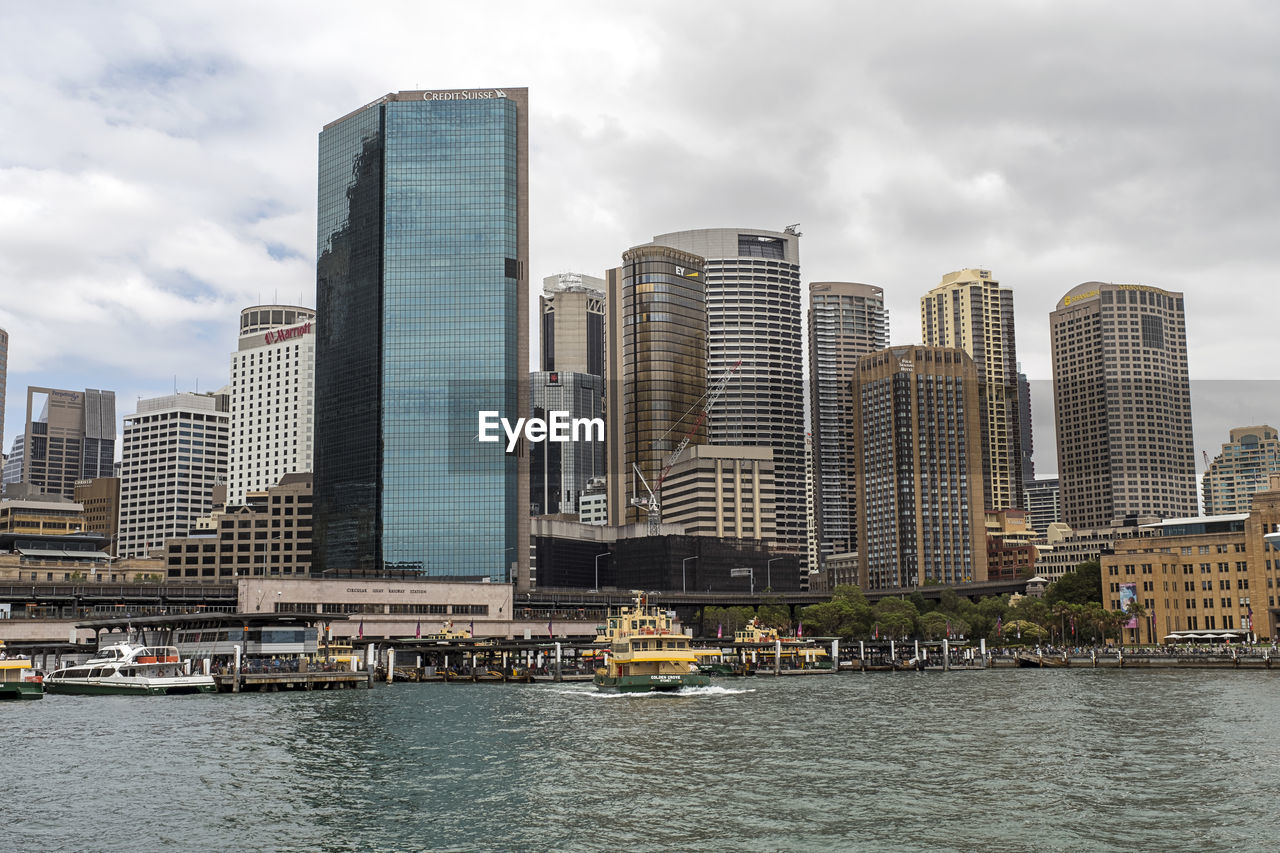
995 760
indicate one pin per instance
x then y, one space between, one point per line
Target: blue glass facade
401 482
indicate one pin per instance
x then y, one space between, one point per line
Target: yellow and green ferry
18 680
645 654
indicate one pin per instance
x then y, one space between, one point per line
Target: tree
1078 586
895 616
774 614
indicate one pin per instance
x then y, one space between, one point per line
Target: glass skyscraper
421 291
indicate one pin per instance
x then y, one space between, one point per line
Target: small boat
130 668
645 654
18 680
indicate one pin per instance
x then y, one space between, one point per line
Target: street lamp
265 551
598 556
745 572
768 574
684 586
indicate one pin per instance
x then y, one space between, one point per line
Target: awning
59 554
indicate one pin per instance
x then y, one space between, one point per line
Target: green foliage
730 618
1078 586
896 617
774 614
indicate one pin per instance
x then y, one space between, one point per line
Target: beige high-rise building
846 321
100 498
970 311
657 370
915 427
70 436
1122 404
722 491
1242 468
571 338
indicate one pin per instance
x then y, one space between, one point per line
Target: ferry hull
649 683
21 690
102 688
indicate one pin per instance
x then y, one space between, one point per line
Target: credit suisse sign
465 95
275 336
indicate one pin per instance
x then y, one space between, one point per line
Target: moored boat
129 668
645 654
18 680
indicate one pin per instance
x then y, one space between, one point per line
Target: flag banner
360 631
550 633
800 629
999 626
473 628
877 630
719 630
418 633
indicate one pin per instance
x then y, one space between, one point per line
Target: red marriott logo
275 336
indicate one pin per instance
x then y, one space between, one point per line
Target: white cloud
157 161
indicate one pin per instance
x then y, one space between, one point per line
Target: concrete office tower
1122 404
1042 504
561 470
272 398
572 330
917 439
970 311
846 321
1243 468
422 291
70 436
726 492
175 453
753 317
657 369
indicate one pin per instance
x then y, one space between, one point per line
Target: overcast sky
158 161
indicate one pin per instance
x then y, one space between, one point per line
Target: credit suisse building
422 291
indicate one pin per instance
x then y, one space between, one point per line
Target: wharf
273 682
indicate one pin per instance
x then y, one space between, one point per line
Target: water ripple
1015 761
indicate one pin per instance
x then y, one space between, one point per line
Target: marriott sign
275 336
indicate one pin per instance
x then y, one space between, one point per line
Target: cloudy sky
158 160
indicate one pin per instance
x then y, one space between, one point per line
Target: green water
998 760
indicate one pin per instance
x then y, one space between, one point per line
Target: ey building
755 337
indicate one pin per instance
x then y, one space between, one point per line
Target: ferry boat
18 680
129 667
645 653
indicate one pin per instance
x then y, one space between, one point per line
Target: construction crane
650 504
1205 454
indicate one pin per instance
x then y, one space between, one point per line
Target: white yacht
128 667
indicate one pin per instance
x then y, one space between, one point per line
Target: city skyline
181 155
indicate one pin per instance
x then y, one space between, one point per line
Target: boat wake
685 692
